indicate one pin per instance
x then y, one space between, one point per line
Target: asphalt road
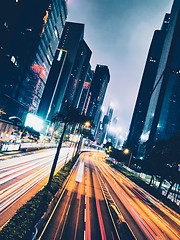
147 217
82 212
22 175
100 203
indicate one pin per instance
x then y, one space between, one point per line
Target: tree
117 154
32 134
173 156
107 145
87 134
68 116
163 159
155 162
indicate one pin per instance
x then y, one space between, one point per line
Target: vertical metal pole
130 160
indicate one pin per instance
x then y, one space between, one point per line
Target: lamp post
127 151
86 125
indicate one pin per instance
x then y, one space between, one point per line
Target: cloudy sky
119 33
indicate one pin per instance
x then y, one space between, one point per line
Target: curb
41 224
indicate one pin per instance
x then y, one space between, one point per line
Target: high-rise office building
85 98
30 33
163 116
62 73
103 127
78 75
113 134
146 87
97 90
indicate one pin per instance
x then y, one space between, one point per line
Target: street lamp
127 151
87 124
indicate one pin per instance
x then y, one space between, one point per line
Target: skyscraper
145 90
103 127
78 75
85 98
163 116
29 37
61 73
97 90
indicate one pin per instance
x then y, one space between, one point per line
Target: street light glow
126 151
87 124
33 121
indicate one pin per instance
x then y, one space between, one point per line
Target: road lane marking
87 221
99 196
61 196
85 215
65 218
103 234
84 234
80 172
77 220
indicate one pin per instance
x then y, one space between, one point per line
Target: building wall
162 119
30 50
144 95
169 119
78 74
83 103
60 74
82 78
98 89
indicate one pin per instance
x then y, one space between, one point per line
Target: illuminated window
152 60
13 59
56 33
39 70
49 58
59 56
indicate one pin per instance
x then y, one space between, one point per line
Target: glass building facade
32 33
146 87
98 89
84 100
144 95
62 79
163 115
78 75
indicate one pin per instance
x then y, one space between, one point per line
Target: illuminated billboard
33 121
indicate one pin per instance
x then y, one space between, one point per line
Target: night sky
119 33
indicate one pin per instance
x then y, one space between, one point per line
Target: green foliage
87 133
107 145
70 115
115 153
32 134
163 158
22 223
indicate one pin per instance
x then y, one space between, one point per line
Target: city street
84 212
22 175
95 86
140 209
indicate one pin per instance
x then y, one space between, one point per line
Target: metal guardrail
5 147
